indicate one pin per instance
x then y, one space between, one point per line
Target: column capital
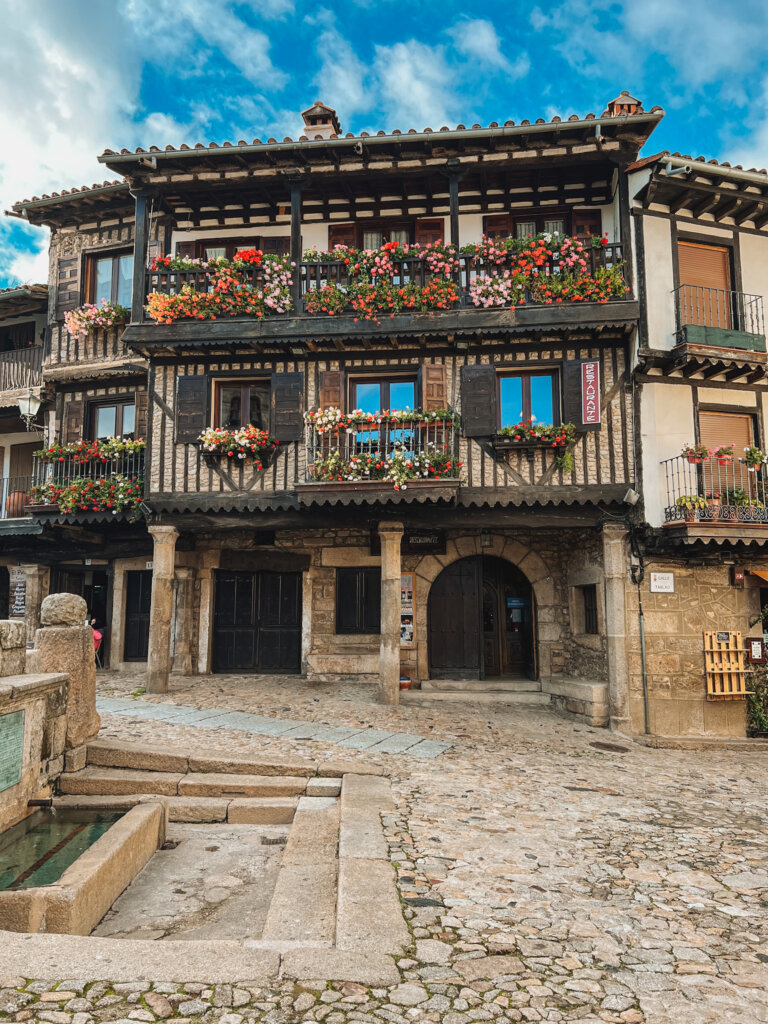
163 534
616 529
184 572
393 528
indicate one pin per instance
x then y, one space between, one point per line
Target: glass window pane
129 420
215 251
402 395
124 280
105 421
511 400
542 405
523 228
554 227
401 235
372 240
230 406
368 397
258 414
103 280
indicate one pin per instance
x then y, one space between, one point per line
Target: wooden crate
725 665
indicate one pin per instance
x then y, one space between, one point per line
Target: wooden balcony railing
21 368
715 491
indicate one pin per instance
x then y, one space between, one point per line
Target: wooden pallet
725 665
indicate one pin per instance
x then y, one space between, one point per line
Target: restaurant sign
590 392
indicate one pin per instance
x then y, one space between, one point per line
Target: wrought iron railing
715 491
718 307
377 450
15 496
74 484
21 368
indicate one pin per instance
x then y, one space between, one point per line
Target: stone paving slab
354 738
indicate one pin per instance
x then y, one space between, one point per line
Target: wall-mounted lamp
29 405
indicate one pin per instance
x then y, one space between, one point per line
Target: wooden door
454 622
138 599
491 628
257 622
705 282
234 622
279 621
21 460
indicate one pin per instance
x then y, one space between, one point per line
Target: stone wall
704 599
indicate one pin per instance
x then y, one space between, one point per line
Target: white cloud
341 80
415 87
478 40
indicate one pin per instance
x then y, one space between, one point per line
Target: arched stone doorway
481 621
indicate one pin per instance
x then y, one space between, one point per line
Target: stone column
183 631
209 560
163 557
66 645
391 535
615 562
117 627
38 582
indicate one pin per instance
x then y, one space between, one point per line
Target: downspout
637 572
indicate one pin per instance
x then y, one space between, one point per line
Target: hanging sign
414 541
18 593
590 392
406 609
755 651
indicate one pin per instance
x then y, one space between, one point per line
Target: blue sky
83 75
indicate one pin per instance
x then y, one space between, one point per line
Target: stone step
481 685
426 697
265 810
119 781
115 754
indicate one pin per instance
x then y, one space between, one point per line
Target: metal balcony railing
21 368
718 307
71 468
15 496
370 451
715 491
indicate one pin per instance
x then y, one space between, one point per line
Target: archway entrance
480 618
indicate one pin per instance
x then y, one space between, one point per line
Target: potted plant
754 458
713 504
691 505
723 454
696 452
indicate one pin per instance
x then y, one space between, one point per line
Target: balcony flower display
244 443
723 453
82 452
332 421
85 494
400 465
89 318
559 438
251 284
754 458
696 452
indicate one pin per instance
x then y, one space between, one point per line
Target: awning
762 573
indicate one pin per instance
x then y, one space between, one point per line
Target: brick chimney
623 105
320 120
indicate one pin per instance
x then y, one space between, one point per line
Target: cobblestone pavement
543 878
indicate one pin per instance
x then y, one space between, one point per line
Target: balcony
95 480
719 316
715 494
14 497
21 369
358 460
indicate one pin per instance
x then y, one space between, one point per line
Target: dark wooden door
138 599
454 622
257 622
491 628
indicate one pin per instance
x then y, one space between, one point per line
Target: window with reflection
111 278
113 419
242 403
529 396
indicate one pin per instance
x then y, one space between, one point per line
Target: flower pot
694 459
713 508
14 506
690 514
405 684
725 460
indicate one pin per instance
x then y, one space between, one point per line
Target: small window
242 403
111 278
528 396
358 600
589 599
554 227
525 228
113 419
378 393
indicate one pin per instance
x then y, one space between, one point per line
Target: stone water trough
59 872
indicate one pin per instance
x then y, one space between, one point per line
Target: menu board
18 593
406 609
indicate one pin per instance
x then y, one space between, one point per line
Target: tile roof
658 157
94 189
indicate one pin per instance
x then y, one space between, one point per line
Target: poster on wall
18 593
406 609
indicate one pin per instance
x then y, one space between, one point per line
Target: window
521 225
379 393
528 396
113 419
110 278
705 281
358 600
589 599
239 403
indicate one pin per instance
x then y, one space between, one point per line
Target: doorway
257 622
94 585
138 603
480 621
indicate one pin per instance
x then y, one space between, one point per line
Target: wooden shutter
67 285
186 249
705 279
73 420
21 459
717 429
499 226
434 392
587 222
342 234
288 406
331 390
280 245
191 407
154 249
479 413
429 231
141 414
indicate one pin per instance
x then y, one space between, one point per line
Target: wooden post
615 571
453 192
296 187
391 535
624 226
143 199
161 612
